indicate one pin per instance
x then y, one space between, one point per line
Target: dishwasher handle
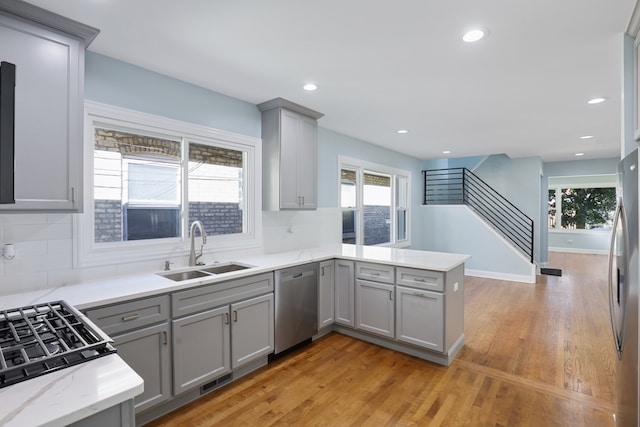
285 276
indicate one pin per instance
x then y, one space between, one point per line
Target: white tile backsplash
44 247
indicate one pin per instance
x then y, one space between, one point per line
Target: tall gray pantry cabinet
48 51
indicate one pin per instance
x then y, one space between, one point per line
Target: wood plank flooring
535 355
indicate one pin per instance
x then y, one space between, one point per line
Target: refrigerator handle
617 217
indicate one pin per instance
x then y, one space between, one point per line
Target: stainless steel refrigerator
623 291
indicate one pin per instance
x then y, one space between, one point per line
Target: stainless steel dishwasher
296 308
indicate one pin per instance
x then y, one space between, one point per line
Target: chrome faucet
193 258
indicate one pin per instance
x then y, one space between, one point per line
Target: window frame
360 167
588 181
88 253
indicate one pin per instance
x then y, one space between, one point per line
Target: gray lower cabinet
420 317
326 294
148 353
220 327
252 329
345 293
201 348
375 307
140 332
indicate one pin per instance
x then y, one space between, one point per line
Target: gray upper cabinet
48 52
289 153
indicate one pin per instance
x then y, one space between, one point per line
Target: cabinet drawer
421 279
217 294
130 315
375 272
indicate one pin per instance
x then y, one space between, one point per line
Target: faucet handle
166 265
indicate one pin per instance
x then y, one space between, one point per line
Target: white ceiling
383 66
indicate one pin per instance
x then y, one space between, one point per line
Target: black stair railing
460 186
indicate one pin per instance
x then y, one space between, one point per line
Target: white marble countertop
121 288
74 393
68 395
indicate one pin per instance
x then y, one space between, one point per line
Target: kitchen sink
224 268
204 271
184 275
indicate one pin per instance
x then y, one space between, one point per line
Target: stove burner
43 338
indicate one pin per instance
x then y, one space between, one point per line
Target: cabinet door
201 348
48 116
252 329
325 294
345 293
307 162
420 317
289 146
375 308
147 352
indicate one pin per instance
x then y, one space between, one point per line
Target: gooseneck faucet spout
193 258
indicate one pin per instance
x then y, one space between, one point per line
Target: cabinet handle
226 318
425 296
390 295
130 318
322 271
164 336
73 196
418 279
375 273
302 200
235 315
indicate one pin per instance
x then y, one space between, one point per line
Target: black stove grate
43 338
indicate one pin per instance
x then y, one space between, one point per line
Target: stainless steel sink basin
204 271
224 268
184 275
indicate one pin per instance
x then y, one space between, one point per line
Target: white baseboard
580 251
503 276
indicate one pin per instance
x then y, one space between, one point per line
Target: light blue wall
456 162
118 83
332 144
519 181
125 85
581 167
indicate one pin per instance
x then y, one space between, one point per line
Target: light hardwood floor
535 355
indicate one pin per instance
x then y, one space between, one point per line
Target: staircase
460 186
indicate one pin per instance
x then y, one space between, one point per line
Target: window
374 203
150 177
581 208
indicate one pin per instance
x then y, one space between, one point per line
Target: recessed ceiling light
403 131
579 154
586 137
446 152
310 87
475 35
596 100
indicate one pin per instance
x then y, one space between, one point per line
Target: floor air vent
216 383
551 271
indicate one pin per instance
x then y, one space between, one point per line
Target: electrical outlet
455 287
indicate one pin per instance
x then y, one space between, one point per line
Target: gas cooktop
43 338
